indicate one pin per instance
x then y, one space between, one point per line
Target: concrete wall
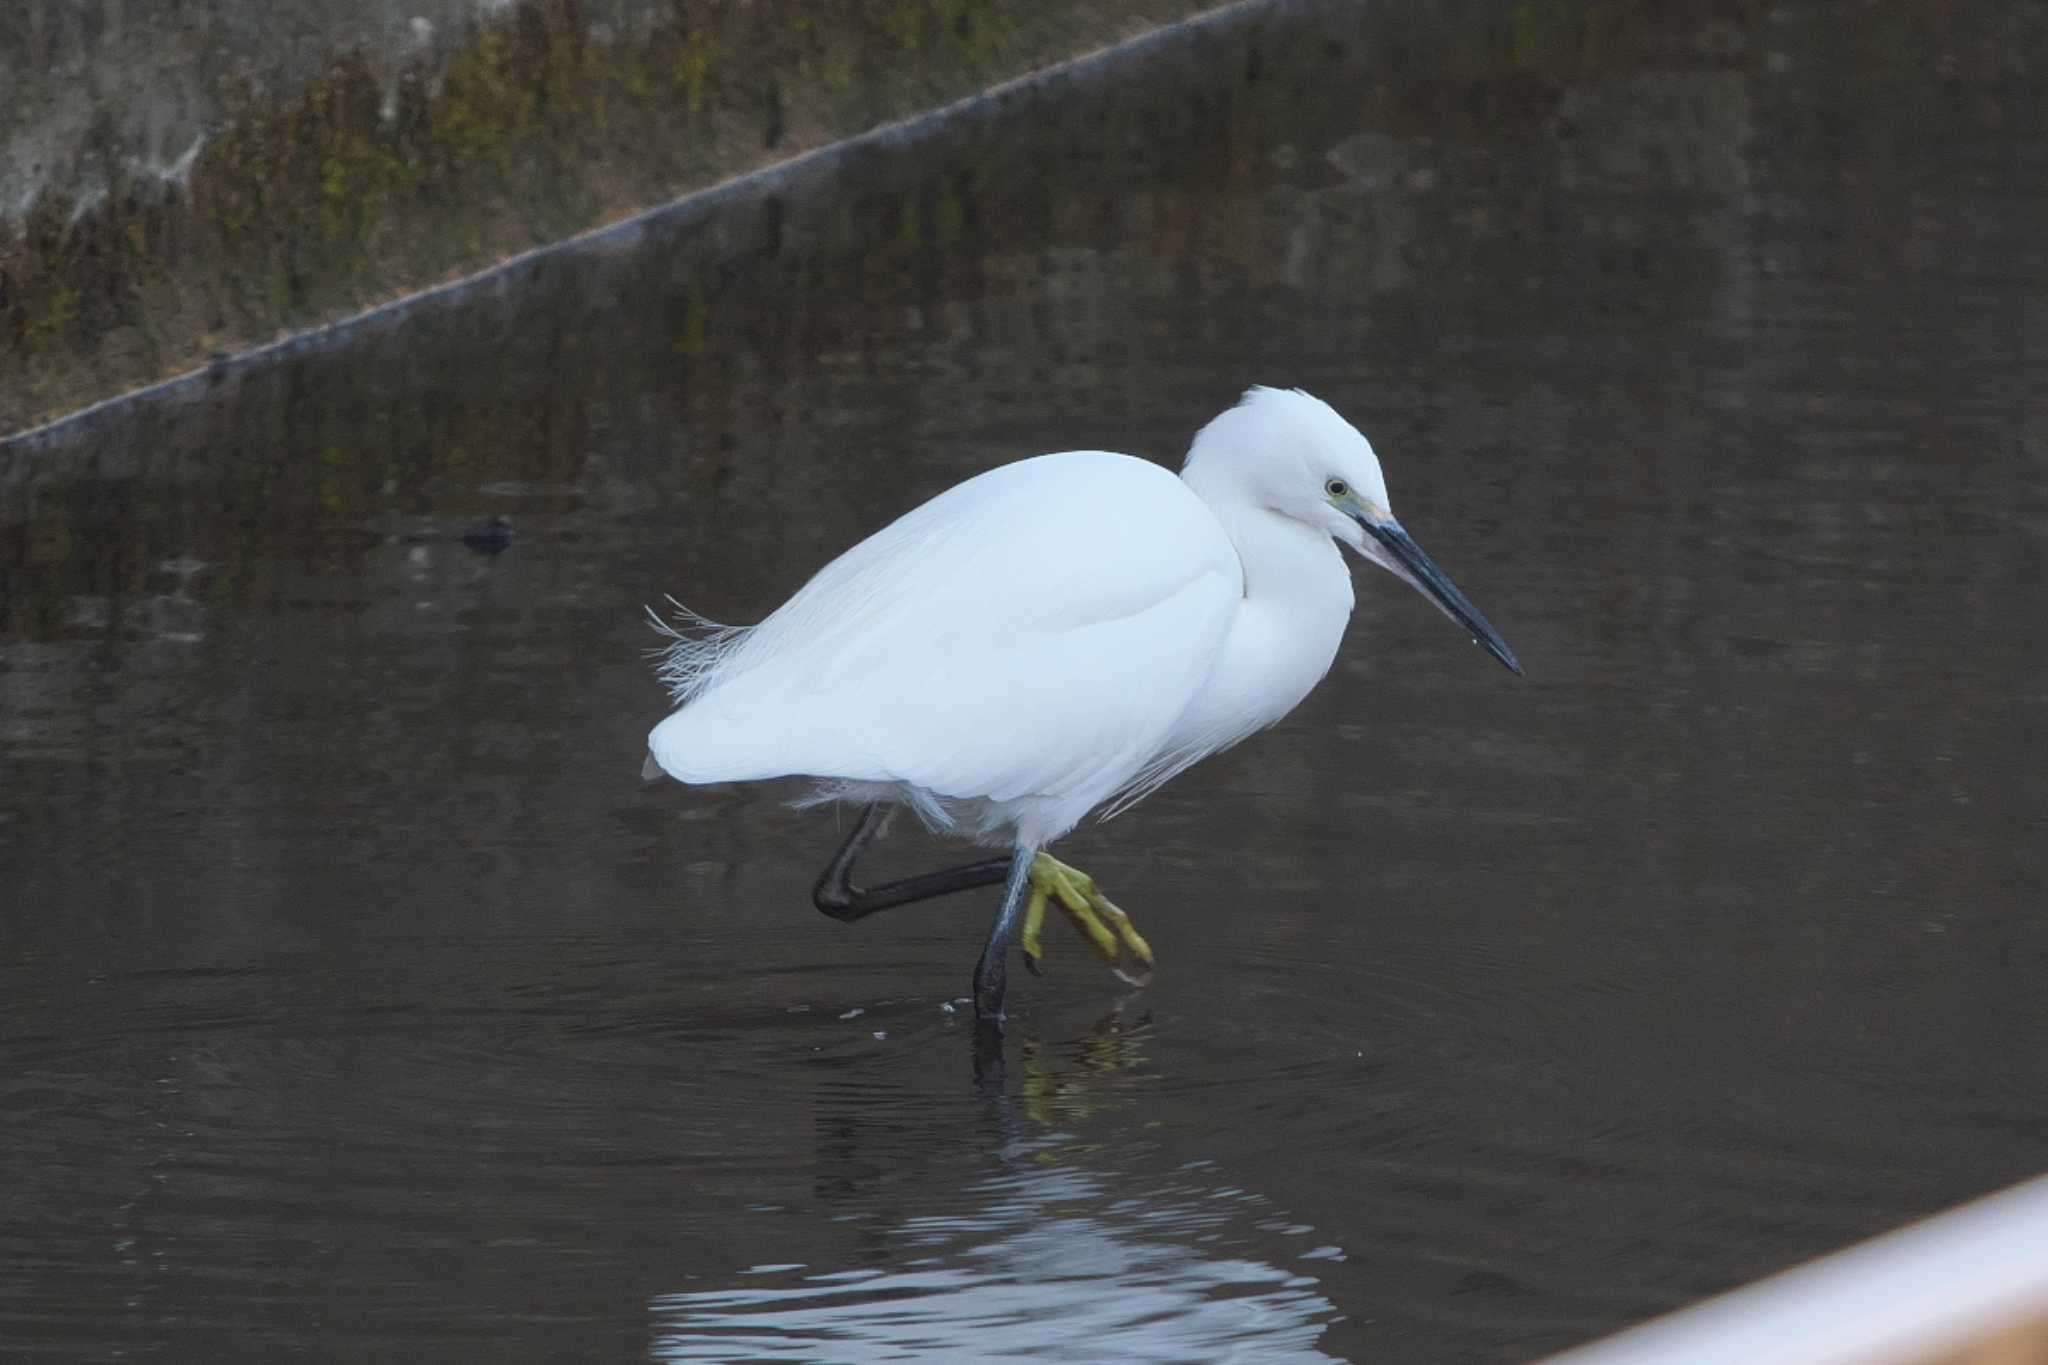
99 90
182 177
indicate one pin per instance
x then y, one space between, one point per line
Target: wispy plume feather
697 650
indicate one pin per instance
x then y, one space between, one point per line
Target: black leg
837 896
992 973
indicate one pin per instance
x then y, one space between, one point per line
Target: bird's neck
1282 558
1297 599
1286 561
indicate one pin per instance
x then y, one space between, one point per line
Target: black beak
1431 582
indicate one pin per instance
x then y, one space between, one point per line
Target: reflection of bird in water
1050 1257
1071 1086
1046 1262
1056 635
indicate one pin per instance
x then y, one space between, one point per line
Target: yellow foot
1108 930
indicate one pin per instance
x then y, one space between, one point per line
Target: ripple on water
1048 1260
533 1059
1328 1042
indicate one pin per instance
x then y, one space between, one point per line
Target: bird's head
1287 452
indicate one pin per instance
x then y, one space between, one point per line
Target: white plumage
1056 634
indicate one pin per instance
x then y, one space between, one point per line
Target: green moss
691 70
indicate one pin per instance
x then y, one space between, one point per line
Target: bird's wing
1033 631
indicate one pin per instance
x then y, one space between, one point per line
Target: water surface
357 1002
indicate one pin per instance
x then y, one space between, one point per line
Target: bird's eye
1336 488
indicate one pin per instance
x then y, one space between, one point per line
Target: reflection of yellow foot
1108 930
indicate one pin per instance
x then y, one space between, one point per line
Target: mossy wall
328 175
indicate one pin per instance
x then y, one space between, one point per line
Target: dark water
356 1001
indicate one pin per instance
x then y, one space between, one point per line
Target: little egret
1055 635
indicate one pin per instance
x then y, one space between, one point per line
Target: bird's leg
1107 928
837 896
1031 883
991 974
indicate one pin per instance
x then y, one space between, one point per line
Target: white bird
1053 636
